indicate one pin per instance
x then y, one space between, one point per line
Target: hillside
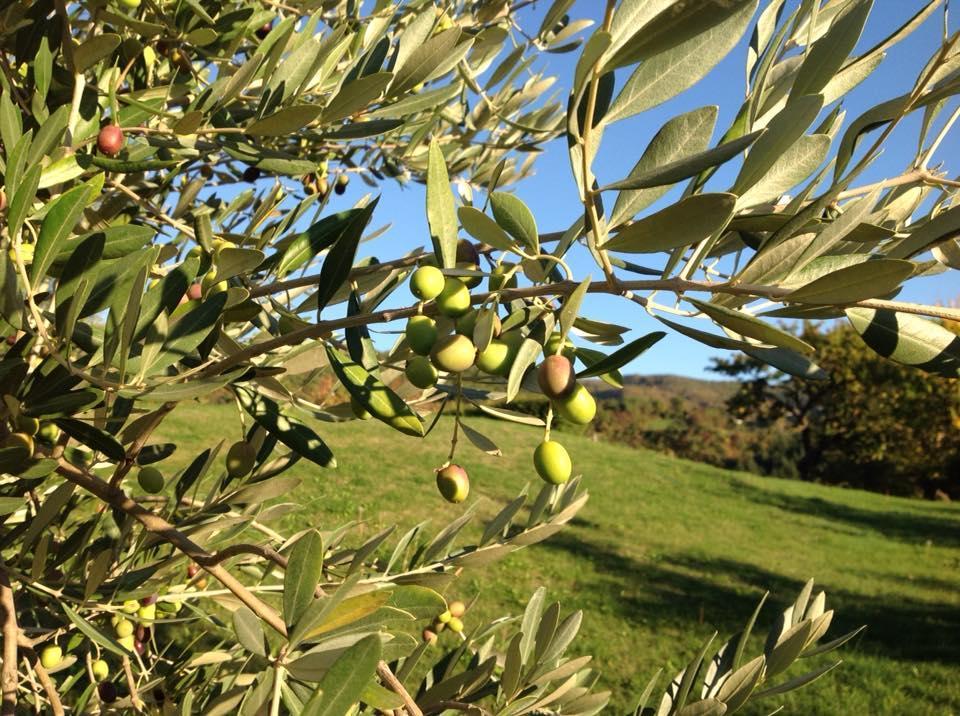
704 393
667 551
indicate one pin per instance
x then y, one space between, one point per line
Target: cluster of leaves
175 258
727 680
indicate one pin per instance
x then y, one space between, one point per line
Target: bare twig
255 549
9 676
132 684
395 685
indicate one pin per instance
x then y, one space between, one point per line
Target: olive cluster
451 619
319 183
133 622
131 636
25 432
456 352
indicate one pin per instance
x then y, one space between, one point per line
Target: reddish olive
556 377
110 140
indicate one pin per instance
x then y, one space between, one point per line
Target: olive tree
167 171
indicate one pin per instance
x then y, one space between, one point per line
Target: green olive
421 333
150 480
101 670
241 457
496 358
468 258
552 462
421 372
48 433
578 407
453 483
467 323
454 300
19 440
123 628
51 656
27 425
552 346
455 625
427 283
454 354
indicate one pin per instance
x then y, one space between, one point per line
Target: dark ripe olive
107 692
110 140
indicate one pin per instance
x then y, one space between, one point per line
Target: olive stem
593 236
277 691
548 422
79 84
132 684
456 418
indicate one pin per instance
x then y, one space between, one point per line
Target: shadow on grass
910 527
686 590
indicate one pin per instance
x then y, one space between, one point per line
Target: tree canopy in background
870 424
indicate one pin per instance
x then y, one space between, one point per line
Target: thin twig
589 202
395 685
131 684
9 676
178 225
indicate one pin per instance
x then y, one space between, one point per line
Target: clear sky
552 195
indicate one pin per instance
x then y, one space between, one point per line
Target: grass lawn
666 551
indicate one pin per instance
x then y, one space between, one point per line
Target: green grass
666 551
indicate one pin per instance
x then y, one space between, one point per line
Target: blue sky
551 192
